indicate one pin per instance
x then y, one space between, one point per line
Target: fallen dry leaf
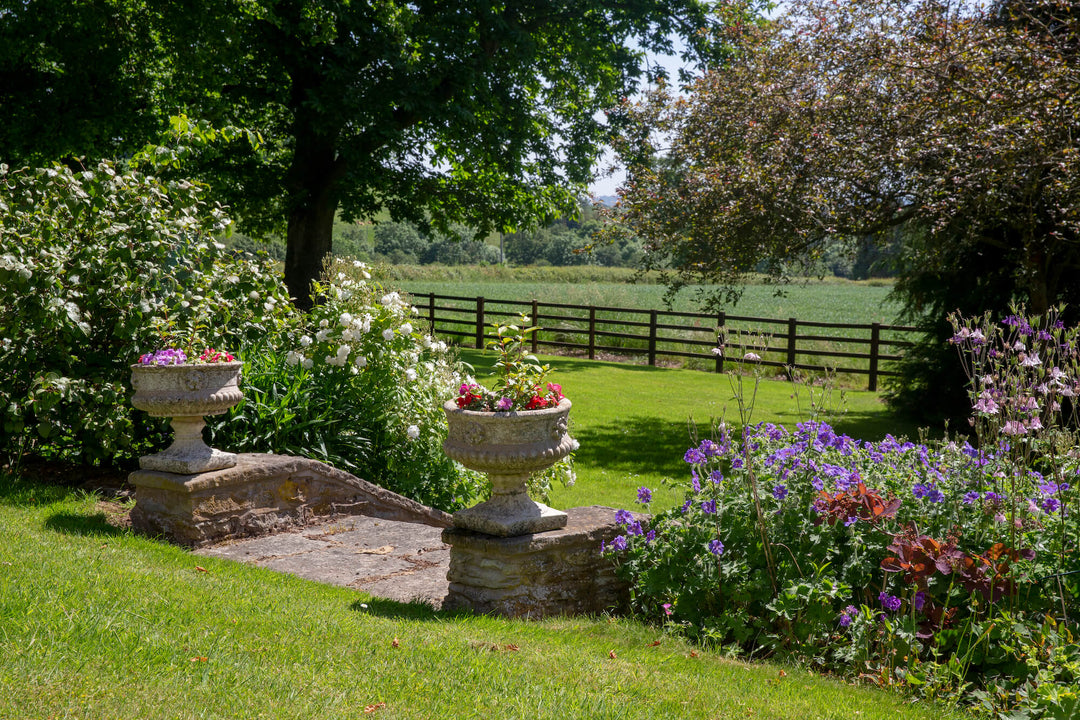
511 647
199 658
654 643
783 674
384 550
200 568
372 708
395 643
693 653
612 655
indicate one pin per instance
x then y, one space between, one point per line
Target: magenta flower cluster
168 356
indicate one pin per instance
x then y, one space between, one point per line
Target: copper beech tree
956 124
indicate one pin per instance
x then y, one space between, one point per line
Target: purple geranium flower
716 547
780 492
644 495
889 602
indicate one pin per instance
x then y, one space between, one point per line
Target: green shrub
97 267
358 385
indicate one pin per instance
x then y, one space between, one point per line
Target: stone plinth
559 572
261 494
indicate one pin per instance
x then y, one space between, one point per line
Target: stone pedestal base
506 515
560 572
259 495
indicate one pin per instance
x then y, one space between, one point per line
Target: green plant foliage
355 383
97 267
945 568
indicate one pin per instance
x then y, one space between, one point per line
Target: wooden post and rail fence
716 338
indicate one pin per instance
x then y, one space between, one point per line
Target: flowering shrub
898 561
97 267
356 384
101 266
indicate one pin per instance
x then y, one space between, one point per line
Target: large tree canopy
477 111
954 125
845 119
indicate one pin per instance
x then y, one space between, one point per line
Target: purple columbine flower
716 547
644 495
889 602
504 404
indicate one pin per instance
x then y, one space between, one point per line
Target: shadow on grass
15 492
70 523
394 610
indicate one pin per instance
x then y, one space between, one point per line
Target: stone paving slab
387 558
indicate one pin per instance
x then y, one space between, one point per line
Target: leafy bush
100 266
96 267
904 563
356 384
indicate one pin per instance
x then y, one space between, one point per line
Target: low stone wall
261 494
558 572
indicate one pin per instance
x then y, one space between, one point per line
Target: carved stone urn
509 446
187 393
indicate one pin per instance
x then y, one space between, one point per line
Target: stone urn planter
187 393
508 446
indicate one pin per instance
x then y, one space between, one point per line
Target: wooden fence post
875 345
592 332
479 323
431 313
792 331
652 338
535 323
721 318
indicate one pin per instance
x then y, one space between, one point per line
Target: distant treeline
563 243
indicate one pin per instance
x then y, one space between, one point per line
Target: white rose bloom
329 360
305 341
347 335
324 323
360 361
253 295
390 299
307 363
343 352
345 320
388 334
406 329
322 335
413 432
293 357
426 341
410 375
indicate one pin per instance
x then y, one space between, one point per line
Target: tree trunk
313 178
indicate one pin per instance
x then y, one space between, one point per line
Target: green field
834 301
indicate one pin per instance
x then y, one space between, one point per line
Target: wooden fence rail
715 338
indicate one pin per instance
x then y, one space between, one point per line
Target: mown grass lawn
96 622
635 422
